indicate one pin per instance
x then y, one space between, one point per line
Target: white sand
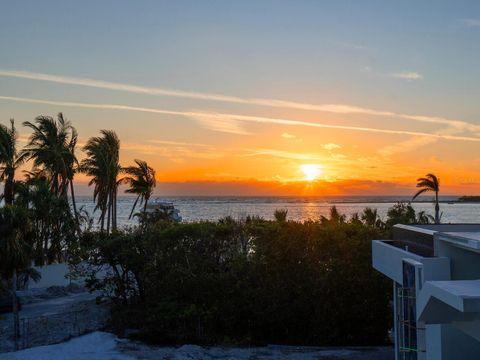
105 346
97 345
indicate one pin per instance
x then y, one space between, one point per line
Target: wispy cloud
406 146
331 108
408 75
282 154
288 136
173 153
331 146
176 143
415 142
350 45
471 22
239 118
219 122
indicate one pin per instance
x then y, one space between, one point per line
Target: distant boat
166 207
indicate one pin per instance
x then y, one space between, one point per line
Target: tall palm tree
52 149
430 183
9 160
102 165
142 181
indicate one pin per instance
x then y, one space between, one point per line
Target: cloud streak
471 22
155 91
173 153
176 143
219 123
283 154
331 146
219 117
408 75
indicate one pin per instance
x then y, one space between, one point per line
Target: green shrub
244 282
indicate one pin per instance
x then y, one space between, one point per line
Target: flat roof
411 246
460 288
470 240
463 295
433 228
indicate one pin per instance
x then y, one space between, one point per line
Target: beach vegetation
141 181
430 183
103 167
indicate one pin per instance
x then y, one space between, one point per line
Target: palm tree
52 149
9 160
430 183
335 217
102 165
14 247
370 217
280 215
142 182
14 251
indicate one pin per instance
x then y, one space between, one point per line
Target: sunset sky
258 97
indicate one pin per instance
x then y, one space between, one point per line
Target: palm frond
420 192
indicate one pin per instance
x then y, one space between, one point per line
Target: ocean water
299 208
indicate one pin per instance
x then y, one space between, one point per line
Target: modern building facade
436 289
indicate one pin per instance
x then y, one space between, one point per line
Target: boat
165 207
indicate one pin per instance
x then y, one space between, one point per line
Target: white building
436 289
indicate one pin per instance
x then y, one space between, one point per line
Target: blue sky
409 57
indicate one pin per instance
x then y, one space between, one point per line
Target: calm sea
299 208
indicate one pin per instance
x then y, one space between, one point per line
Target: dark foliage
250 282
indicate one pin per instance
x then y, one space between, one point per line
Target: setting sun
311 171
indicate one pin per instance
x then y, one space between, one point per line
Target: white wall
52 275
55 275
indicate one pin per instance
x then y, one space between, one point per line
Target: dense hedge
249 282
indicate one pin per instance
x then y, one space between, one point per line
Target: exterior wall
433 342
437 268
56 275
458 345
405 232
465 264
471 328
454 338
444 342
395 319
388 259
52 275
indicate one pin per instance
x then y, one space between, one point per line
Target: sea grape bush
248 281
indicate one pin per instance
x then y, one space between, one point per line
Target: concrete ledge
388 259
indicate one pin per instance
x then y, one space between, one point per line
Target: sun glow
311 171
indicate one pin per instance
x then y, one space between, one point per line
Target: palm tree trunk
102 219
114 208
133 207
109 207
74 205
437 209
112 204
145 205
8 190
55 184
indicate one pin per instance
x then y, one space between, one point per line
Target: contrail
332 108
245 118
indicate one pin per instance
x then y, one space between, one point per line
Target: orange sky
262 148
234 98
